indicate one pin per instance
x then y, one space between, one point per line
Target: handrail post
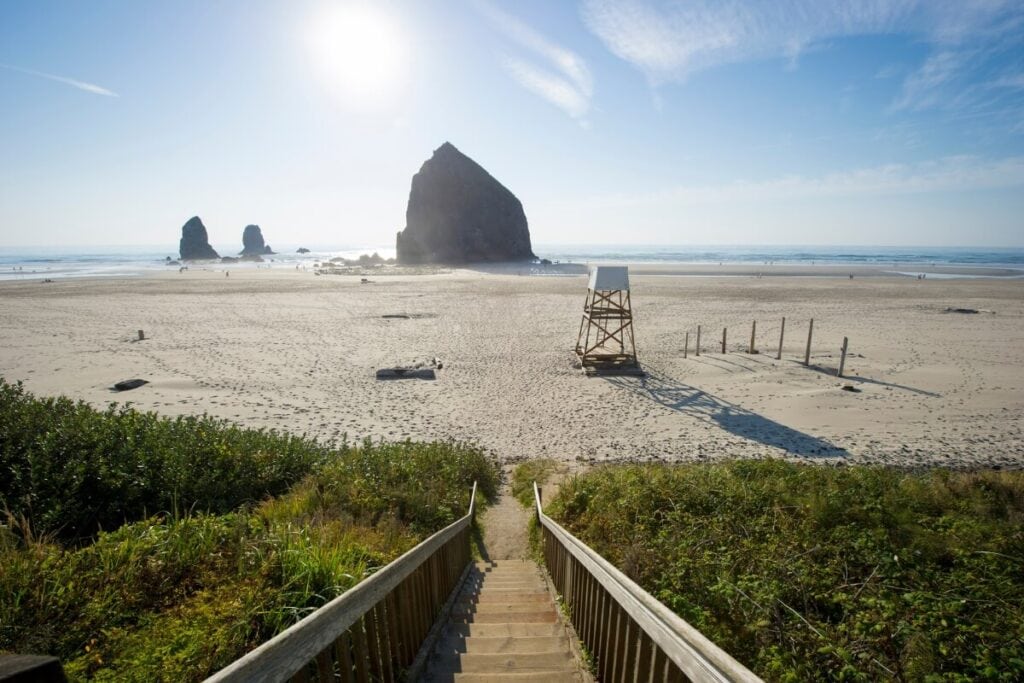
537 500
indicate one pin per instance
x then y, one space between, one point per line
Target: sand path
505 529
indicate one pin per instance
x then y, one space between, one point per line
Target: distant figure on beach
227 273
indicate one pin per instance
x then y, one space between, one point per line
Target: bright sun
361 53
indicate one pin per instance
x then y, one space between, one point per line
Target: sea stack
252 242
195 244
458 213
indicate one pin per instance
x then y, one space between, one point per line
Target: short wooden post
807 354
753 331
724 331
842 359
782 333
698 341
142 335
686 345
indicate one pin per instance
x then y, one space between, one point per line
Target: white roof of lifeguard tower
609 278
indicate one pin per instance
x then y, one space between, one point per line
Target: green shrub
804 572
72 470
178 595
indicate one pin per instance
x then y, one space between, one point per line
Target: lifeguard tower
605 343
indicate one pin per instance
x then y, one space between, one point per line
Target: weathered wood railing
630 635
373 631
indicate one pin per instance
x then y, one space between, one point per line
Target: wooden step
501 606
508 596
531 677
524 630
504 644
516 663
504 626
538 617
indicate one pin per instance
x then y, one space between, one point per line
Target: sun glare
360 52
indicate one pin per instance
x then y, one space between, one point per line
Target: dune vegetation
137 547
804 572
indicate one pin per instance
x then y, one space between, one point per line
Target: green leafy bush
179 595
73 470
804 572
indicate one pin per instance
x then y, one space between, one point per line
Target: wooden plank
360 656
644 658
324 666
629 652
343 655
373 645
301 676
618 643
384 636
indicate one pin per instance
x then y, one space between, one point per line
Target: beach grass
181 593
805 572
526 473
72 470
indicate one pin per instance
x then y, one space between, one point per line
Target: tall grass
178 595
73 470
805 572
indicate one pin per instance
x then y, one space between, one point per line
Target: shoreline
667 268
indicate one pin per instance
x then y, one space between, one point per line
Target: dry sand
289 350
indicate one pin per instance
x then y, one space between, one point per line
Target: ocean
49 262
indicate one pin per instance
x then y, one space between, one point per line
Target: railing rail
630 634
372 631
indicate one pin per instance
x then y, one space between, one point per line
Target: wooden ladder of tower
605 343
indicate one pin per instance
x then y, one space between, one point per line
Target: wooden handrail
374 629
631 635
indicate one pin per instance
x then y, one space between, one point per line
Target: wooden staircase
504 627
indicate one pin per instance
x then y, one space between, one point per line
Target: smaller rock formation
195 244
252 242
302 250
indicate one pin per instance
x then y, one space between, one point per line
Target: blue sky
614 121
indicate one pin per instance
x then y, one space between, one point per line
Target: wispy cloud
561 77
923 87
948 174
81 85
670 40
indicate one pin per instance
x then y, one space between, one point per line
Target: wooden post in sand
698 340
753 331
142 335
807 354
724 330
686 345
782 333
842 359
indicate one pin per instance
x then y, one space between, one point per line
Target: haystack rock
195 244
252 242
458 213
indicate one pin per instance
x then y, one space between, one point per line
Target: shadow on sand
682 398
867 380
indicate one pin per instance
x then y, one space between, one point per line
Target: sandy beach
290 350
